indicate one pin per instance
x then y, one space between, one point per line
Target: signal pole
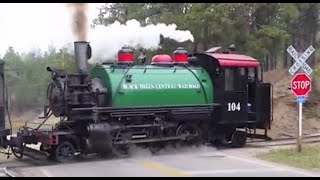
300 100
300 83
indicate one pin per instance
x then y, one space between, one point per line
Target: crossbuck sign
300 61
301 83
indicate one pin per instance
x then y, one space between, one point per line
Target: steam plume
79 20
107 40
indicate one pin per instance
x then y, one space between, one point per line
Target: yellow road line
162 168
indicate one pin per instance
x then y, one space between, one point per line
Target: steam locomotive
185 99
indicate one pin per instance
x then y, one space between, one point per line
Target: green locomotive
184 98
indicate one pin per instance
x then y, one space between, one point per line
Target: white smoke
107 40
57 29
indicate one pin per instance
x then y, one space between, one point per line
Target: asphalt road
203 161
2 174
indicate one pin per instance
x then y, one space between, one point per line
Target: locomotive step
82 104
87 93
77 85
81 93
78 74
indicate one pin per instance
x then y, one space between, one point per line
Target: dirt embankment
285 109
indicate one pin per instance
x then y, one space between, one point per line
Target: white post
299 140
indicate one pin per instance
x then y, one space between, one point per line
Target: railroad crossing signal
300 61
301 84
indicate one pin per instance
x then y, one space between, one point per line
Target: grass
309 158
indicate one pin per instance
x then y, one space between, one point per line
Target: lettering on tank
160 86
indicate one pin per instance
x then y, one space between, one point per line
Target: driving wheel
64 152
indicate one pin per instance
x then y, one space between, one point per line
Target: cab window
229 79
260 75
251 73
242 71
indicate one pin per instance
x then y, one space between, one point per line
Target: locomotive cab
245 99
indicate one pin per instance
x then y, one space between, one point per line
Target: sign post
300 84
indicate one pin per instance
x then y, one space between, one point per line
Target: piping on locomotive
185 98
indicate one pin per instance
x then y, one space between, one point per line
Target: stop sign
301 84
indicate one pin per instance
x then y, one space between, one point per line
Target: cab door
233 96
263 105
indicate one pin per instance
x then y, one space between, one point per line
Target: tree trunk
271 61
275 62
205 36
195 47
313 57
285 59
266 63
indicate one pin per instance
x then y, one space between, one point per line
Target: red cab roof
235 60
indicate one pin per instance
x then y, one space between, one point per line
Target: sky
27 26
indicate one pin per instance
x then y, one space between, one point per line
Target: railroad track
313 138
37 161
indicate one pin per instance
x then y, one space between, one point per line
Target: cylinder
81 50
99 139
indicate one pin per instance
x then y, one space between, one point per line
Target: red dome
161 59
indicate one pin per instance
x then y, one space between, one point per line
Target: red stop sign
301 84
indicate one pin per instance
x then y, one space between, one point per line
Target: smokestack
82 50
